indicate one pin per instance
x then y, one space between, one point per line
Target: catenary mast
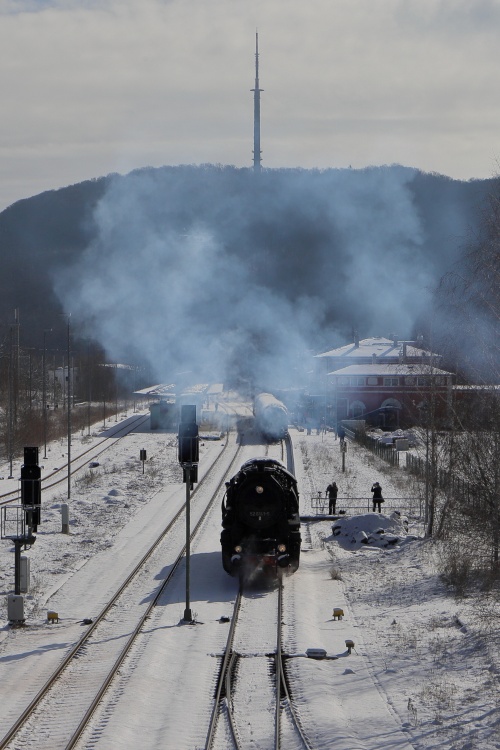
256 111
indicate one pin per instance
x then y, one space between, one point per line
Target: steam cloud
228 273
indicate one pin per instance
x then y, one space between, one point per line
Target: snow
424 670
372 529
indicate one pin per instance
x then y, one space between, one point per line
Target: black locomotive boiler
260 520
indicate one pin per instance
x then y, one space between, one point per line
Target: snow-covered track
245 674
252 671
150 659
252 667
80 461
284 699
59 713
223 688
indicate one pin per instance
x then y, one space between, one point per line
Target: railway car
271 416
260 521
163 415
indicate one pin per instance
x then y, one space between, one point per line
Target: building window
410 380
423 381
372 381
356 409
358 381
341 409
391 381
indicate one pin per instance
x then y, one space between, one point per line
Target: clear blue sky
92 87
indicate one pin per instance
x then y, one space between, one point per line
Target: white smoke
221 271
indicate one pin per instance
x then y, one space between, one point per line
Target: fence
358 505
442 478
382 450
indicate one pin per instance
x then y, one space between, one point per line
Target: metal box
401 444
316 653
15 608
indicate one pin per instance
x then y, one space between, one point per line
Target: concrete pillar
65 518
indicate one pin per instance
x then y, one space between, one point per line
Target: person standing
332 492
377 497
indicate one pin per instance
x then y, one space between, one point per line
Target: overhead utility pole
256 111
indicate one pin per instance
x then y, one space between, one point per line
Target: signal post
25 523
189 450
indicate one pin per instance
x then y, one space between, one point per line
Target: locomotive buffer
189 451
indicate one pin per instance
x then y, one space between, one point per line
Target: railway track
74 706
255 674
58 715
253 665
80 461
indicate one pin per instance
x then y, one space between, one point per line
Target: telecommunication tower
256 111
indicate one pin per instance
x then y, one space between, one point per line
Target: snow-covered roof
215 389
197 388
161 389
389 369
378 346
117 366
168 389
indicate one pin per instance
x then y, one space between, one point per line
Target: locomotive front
260 520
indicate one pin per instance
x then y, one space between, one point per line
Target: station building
391 395
387 382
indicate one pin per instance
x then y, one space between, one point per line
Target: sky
90 88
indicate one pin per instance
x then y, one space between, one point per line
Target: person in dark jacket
332 491
377 497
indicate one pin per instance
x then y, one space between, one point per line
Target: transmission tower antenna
256 111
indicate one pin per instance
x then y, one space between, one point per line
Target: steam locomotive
260 521
271 416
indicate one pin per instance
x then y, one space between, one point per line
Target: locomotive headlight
259 489
281 548
238 549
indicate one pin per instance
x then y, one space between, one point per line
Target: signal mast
256 111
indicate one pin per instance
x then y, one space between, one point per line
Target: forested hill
356 248
39 236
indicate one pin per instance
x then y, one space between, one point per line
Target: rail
283 693
79 461
82 648
224 683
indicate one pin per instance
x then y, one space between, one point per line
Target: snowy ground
425 668
432 658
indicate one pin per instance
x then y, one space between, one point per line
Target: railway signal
189 451
31 488
26 524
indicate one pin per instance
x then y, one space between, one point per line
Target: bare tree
471 297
